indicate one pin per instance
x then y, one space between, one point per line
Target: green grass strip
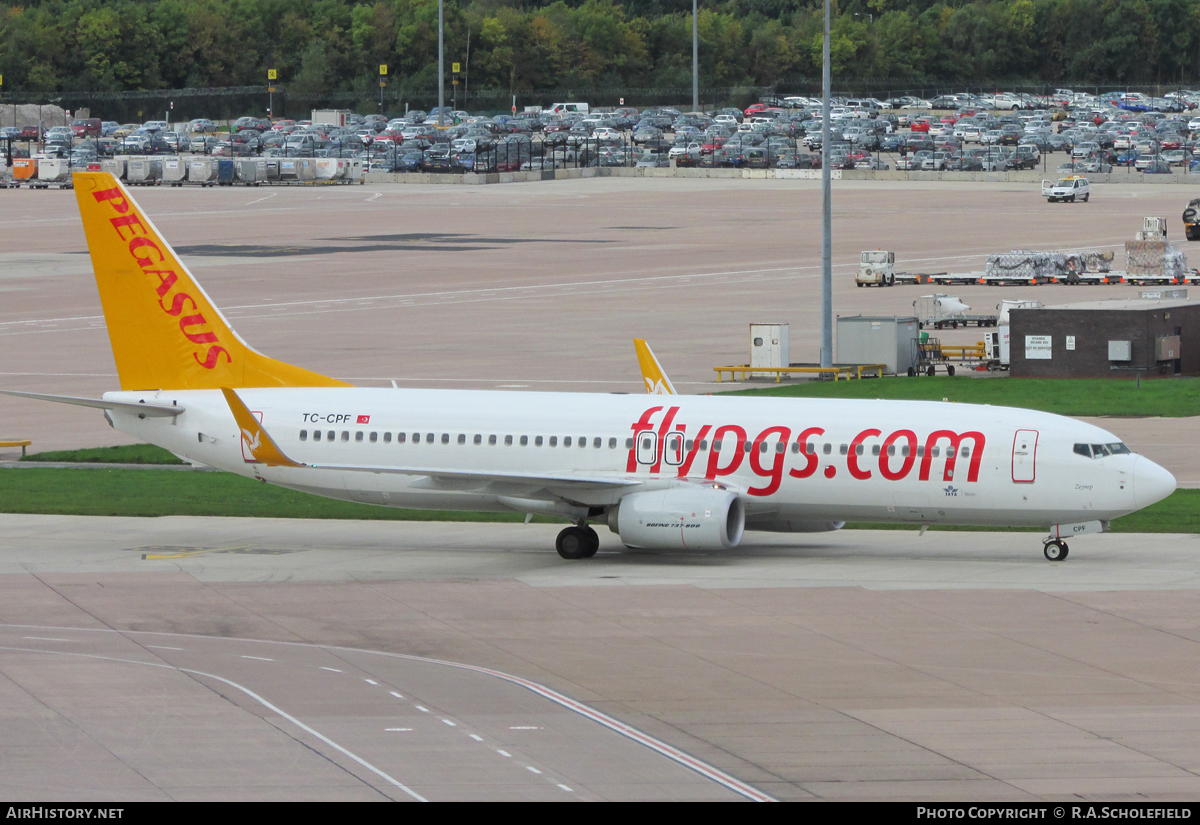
113 492
128 454
1167 397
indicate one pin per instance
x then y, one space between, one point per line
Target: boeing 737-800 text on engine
662 471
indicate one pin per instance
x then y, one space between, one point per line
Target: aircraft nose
1151 482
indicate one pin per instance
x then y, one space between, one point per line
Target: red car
950 120
921 125
31 133
752 109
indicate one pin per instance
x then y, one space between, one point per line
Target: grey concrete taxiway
197 658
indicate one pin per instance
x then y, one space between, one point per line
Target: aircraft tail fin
653 374
257 446
166 333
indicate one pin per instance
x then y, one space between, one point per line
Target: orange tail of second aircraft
166 333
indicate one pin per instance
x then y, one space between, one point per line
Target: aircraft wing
263 449
148 410
485 476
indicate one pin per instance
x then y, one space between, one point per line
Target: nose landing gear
577 543
1055 549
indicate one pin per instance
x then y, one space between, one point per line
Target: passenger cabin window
345 435
629 444
524 441
374 437
479 439
553 441
387 437
612 444
491 440
400 437
566 441
358 436
445 438
596 442
428 438
304 435
330 436
537 441
647 452
508 441
462 438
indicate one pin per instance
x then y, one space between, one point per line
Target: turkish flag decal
364 419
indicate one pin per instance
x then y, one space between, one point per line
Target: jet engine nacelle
692 518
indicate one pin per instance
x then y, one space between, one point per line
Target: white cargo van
565 108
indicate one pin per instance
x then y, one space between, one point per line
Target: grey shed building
1106 339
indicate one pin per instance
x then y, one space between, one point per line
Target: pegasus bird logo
252 441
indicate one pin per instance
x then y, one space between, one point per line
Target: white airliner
662 471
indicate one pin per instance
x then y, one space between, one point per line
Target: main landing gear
1055 549
577 543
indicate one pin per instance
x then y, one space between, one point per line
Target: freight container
114 167
174 171
202 171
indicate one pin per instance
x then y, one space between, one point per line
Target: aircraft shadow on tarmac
403 242
864 553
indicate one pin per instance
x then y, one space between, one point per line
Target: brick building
1106 339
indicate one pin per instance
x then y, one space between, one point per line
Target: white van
564 108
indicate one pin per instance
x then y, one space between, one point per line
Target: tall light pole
695 60
441 69
826 210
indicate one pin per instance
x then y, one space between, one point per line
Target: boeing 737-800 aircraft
666 471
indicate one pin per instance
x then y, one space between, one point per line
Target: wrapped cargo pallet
1154 261
1025 265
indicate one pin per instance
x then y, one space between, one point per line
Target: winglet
255 440
656 379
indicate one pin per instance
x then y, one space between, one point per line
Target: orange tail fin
166 333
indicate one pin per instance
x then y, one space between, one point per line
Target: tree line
320 46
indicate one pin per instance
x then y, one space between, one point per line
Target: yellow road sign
272 74
382 69
456 67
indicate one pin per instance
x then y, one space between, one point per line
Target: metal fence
230 102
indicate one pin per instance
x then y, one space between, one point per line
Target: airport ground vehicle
690 472
1068 189
941 311
877 268
1191 220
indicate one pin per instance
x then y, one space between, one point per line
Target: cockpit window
1101 450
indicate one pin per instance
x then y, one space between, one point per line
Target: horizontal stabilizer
147 410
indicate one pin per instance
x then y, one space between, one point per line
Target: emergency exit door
1024 456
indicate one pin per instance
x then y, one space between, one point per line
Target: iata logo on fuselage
663 446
